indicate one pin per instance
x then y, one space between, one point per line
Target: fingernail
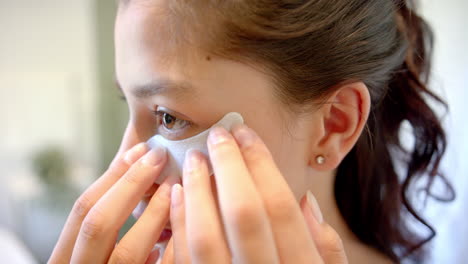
134 153
313 205
192 160
218 135
244 135
154 157
176 195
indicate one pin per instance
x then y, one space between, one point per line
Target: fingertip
218 135
244 135
237 126
154 157
172 179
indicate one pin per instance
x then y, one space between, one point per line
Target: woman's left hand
253 217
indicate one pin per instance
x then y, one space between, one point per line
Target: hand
257 219
90 233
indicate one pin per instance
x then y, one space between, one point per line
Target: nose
131 137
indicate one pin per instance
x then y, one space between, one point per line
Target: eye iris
168 120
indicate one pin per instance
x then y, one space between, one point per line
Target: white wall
448 19
47 75
47 96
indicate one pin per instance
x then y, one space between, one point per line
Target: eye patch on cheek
176 148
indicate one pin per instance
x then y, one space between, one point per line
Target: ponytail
377 204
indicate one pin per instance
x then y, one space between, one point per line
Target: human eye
169 125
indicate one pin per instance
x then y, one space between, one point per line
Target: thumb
326 239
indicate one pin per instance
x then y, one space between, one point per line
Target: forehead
144 54
142 45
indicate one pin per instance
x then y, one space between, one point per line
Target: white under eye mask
176 148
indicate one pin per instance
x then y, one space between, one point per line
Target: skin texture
256 199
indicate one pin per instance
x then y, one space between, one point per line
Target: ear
342 119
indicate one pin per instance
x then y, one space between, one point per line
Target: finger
245 219
64 247
326 239
137 244
153 257
179 233
205 235
168 257
140 208
280 203
100 228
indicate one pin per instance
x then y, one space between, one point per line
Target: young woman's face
191 92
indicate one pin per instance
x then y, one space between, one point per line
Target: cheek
292 162
286 149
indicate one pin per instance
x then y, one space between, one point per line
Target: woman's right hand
91 230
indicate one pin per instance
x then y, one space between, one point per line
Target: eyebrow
160 86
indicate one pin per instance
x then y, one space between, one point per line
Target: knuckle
117 164
82 206
158 204
122 255
134 176
202 245
256 152
93 226
331 241
162 195
281 207
223 148
245 217
117 167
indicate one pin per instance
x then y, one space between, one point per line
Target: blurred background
61 118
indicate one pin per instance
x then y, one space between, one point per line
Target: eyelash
160 116
173 132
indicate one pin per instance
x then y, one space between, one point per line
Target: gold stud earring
320 159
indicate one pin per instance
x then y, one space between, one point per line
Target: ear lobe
344 117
